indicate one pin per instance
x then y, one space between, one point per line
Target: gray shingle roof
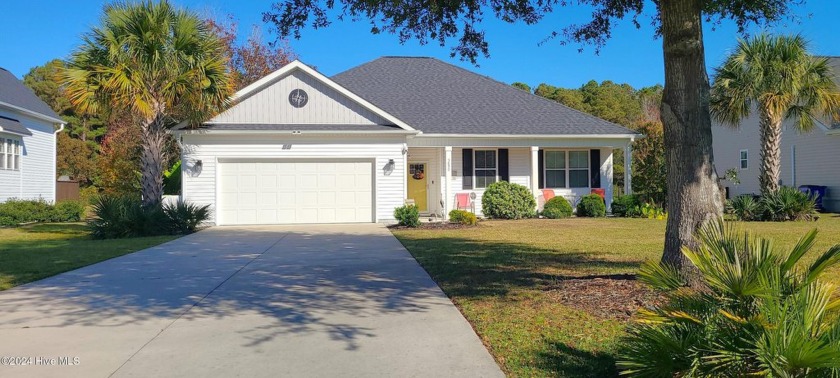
12 91
13 126
301 127
439 98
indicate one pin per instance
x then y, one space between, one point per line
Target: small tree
782 81
156 62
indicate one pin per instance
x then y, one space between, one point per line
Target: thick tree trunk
153 138
771 152
693 194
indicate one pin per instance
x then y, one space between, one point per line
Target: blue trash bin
818 191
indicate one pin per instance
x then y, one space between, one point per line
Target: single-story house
807 158
28 128
300 147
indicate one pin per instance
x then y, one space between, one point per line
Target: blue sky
35 31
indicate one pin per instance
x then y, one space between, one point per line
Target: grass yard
38 251
507 277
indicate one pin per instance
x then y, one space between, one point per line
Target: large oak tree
693 196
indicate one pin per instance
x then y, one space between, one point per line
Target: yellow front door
417 185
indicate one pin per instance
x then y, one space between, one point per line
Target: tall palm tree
776 76
157 62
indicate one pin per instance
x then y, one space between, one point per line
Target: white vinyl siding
213 150
324 105
812 155
31 171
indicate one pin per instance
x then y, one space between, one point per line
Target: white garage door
283 192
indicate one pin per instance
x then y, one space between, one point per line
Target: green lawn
504 277
41 250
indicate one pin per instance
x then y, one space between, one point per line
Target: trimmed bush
557 207
625 206
68 211
755 311
407 215
15 212
591 205
504 200
463 217
123 217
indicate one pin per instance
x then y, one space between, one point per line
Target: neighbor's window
3 155
555 169
566 169
745 163
10 151
485 168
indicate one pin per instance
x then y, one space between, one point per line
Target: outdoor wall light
389 168
196 168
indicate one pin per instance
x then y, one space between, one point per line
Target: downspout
55 160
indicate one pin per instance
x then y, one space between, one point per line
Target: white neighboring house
807 158
28 129
299 147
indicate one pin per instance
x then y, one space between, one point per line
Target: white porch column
628 169
535 171
447 182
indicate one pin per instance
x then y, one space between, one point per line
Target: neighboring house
807 158
298 147
28 130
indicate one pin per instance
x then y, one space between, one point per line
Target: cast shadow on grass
470 268
571 362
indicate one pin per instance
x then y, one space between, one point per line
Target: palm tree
779 78
156 62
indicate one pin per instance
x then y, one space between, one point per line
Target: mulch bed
610 296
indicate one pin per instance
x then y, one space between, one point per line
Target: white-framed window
566 169
745 161
10 150
485 167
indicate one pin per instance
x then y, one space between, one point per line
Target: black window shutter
504 170
540 168
595 168
467 168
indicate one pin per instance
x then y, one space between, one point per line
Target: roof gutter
289 132
31 113
549 136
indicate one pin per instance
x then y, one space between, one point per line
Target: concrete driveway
297 301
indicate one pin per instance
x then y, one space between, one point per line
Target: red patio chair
463 201
548 194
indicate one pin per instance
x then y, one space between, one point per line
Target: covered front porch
445 177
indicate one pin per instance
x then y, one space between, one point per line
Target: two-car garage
289 191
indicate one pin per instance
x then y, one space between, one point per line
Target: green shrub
625 206
184 217
650 211
172 180
407 215
757 311
557 207
504 200
788 204
88 194
15 212
463 217
745 207
68 211
123 217
591 205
